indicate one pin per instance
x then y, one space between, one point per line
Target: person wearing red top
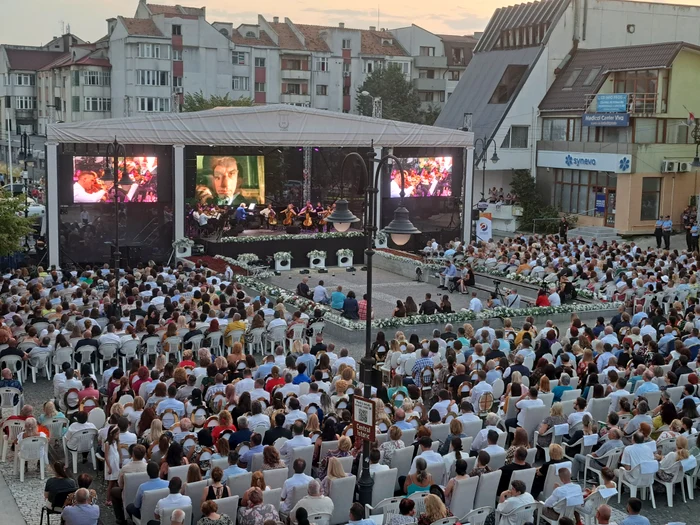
225 423
187 360
274 380
542 299
88 390
142 376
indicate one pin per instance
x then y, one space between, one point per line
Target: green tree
13 224
399 99
534 207
198 102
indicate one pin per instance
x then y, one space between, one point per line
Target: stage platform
266 243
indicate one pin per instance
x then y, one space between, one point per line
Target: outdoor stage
266 243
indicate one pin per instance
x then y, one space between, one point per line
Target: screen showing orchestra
425 177
138 180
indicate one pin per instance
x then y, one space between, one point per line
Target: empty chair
11 399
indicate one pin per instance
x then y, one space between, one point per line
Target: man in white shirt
321 294
81 423
344 359
298 440
511 500
110 336
492 447
374 465
530 401
480 441
312 397
86 188
70 382
299 479
444 403
295 413
174 500
289 387
125 437
259 391
257 418
246 384
467 415
426 452
277 321
554 299
486 327
315 503
480 388
475 304
513 299
563 495
579 411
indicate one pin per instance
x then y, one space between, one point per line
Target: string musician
269 216
307 213
289 215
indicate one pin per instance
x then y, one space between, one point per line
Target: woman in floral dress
211 516
257 512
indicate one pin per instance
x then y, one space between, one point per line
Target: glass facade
575 191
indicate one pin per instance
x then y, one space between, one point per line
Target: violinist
87 189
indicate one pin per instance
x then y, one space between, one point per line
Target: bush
523 185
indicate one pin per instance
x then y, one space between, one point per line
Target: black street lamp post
481 158
115 150
400 229
25 155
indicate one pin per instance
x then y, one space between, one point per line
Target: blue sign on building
600 203
611 103
606 120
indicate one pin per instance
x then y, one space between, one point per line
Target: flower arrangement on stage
425 266
344 252
316 254
285 237
245 264
183 243
282 256
248 257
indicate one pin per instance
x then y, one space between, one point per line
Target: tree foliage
198 102
399 99
13 225
534 207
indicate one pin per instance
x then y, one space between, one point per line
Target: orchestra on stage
211 220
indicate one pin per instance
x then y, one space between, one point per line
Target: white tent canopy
273 125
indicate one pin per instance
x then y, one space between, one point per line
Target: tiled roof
141 27
649 56
287 38
313 38
91 61
66 60
30 59
242 40
371 43
174 10
519 15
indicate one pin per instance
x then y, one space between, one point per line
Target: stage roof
273 125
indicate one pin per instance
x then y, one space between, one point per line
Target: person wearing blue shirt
171 403
667 228
447 274
634 507
255 448
357 515
648 385
658 232
637 318
154 483
241 214
232 470
337 299
694 232
308 359
301 377
665 340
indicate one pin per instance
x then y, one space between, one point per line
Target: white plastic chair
256 340
37 363
524 514
57 427
14 428
16 366
486 491
174 344
640 477
129 350
610 460
60 356
216 343
86 444
678 476
31 449
477 516
298 333
11 399
108 351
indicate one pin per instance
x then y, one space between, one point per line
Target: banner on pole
484 228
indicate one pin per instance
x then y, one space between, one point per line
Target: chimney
341 25
275 19
372 28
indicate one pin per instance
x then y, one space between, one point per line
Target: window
98 104
177 29
426 96
260 87
322 89
321 64
405 67
346 91
619 135
561 129
92 78
177 81
651 197
75 78
294 89
426 73
177 55
516 137
152 104
259 62
293 64
75 104
426 51
25 102
145 77
346 43
573 77
241 84
346 67
508 84
592 75
676 131
369 66
576 191
250 34
25 79
238 58
145 50
644 130
453 75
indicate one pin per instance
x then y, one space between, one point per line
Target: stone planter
381 242
317 262
183 251
345 261
283 265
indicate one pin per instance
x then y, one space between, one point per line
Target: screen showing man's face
88 182
226 178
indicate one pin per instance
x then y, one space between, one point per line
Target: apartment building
523 51
438 62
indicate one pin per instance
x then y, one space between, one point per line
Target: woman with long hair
174 457
411 306
271 459
666 462
455 454
257 481
520 439
435 510
328 433
49 412
334 471
312 428
145 426
112 460
343 450
420 481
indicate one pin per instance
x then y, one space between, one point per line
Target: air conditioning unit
178 90
684 167
669 166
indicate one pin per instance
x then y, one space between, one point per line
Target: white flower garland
424 265
246 265
248 257
273 238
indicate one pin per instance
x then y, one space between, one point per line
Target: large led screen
230 180
425 177
138 180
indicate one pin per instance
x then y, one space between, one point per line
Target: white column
179 185
378 155
52 207
468 194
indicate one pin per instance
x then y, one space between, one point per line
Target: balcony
288 98
637 103
430 84
426 62
296 74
